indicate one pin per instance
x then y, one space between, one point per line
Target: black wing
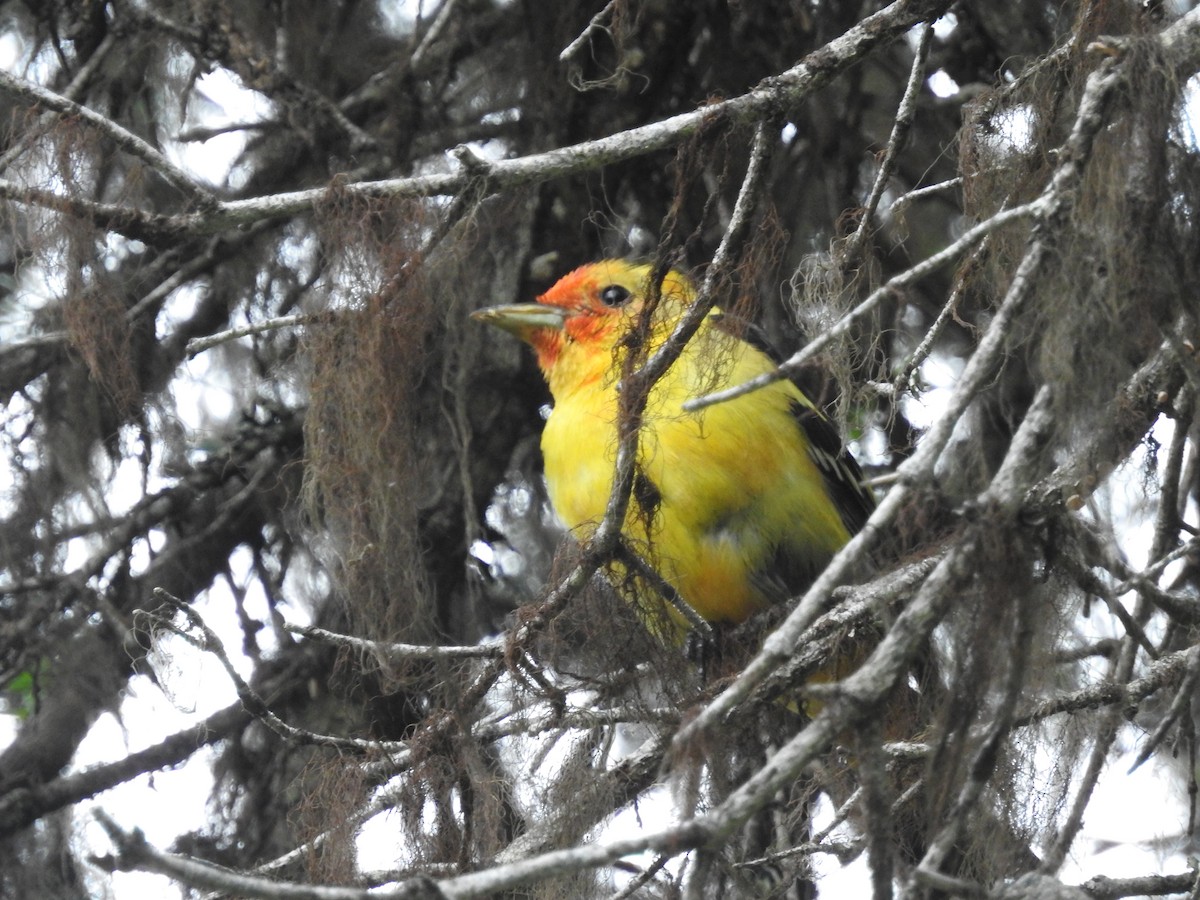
843 477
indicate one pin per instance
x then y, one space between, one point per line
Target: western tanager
735 506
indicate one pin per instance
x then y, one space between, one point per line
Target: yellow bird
735 506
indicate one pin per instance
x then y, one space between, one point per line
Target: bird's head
577 326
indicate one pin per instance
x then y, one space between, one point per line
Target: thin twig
196 346
22 806
492 728
254 704
861 692
905 114
394 651
153 298
846 323
642 878
922 192
706 298
635 387
949 311
135 852
1181 704
595 24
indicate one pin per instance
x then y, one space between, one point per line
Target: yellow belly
735 488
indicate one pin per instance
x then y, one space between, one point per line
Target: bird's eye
613 295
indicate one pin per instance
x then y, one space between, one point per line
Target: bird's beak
523 318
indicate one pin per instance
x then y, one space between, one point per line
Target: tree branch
775 93
35 95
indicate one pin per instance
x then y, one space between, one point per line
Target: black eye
613 295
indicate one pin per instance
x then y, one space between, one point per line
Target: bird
735 506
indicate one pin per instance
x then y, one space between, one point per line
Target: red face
588 309
595 300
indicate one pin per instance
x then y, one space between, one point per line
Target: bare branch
28 92
196 346
595 24
71 94
774 93
1166 672
847 322
22 807
254 704
900 129
488 650
1104 888
444 14
135 852
949 310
